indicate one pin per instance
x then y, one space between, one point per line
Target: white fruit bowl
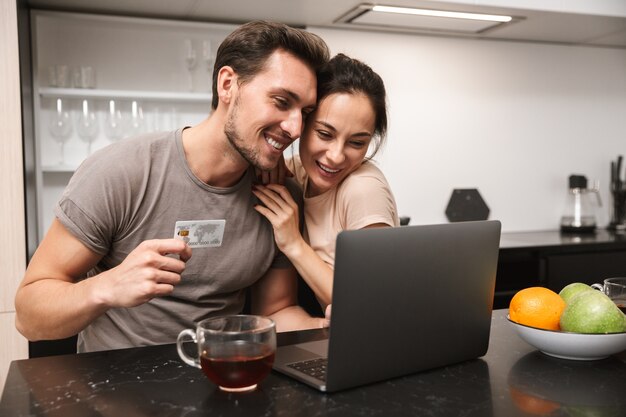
575 346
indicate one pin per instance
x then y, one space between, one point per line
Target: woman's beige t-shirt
362 199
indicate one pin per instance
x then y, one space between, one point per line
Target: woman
342 188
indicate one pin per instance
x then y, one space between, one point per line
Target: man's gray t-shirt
136 190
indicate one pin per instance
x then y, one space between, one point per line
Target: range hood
598 23
424 20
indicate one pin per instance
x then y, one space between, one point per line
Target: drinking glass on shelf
88 75
84 77
155 124
136 119
52 76
162 120
87 125
207 55
172 117
190 61
60 128
114 124
62 73
77 78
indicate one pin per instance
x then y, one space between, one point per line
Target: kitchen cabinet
553 260
563 269
98 79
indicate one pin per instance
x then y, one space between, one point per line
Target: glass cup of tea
235 352
615 289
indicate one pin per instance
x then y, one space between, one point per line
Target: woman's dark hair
248 47
343 74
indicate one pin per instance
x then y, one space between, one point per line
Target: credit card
200 233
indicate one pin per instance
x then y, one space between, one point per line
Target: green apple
592 312
570 291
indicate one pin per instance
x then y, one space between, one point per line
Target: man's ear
226 83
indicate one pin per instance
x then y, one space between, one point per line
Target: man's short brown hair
247 49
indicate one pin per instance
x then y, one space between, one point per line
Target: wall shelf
86 93
58 168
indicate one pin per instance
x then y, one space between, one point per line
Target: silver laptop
405 299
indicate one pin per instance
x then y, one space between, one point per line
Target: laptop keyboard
315 368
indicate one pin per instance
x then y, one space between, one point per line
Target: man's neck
210 156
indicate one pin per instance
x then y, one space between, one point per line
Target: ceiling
557 26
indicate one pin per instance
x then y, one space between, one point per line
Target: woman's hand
282 211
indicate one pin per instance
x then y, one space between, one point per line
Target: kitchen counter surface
513 379
556 239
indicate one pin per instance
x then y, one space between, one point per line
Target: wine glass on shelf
60 128
207 56
114 124
87 125
190 61
136 119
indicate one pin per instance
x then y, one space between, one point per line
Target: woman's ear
226 83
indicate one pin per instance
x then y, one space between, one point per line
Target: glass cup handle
599 287
182 336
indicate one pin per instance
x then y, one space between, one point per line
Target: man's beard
233 136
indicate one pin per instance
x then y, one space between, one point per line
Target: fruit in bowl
571 290
578 308
537 307
592 312
579 323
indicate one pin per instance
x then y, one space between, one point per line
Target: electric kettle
579 215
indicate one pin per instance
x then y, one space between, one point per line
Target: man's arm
52 302
275 295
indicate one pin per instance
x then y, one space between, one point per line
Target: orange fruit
537 307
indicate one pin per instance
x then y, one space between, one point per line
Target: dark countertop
513 379
556 239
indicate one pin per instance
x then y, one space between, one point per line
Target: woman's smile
336 139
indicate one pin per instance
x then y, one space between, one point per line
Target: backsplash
513 119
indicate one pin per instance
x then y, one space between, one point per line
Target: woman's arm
282 211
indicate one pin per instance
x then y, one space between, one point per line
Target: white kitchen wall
512 119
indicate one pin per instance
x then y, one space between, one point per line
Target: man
108 266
